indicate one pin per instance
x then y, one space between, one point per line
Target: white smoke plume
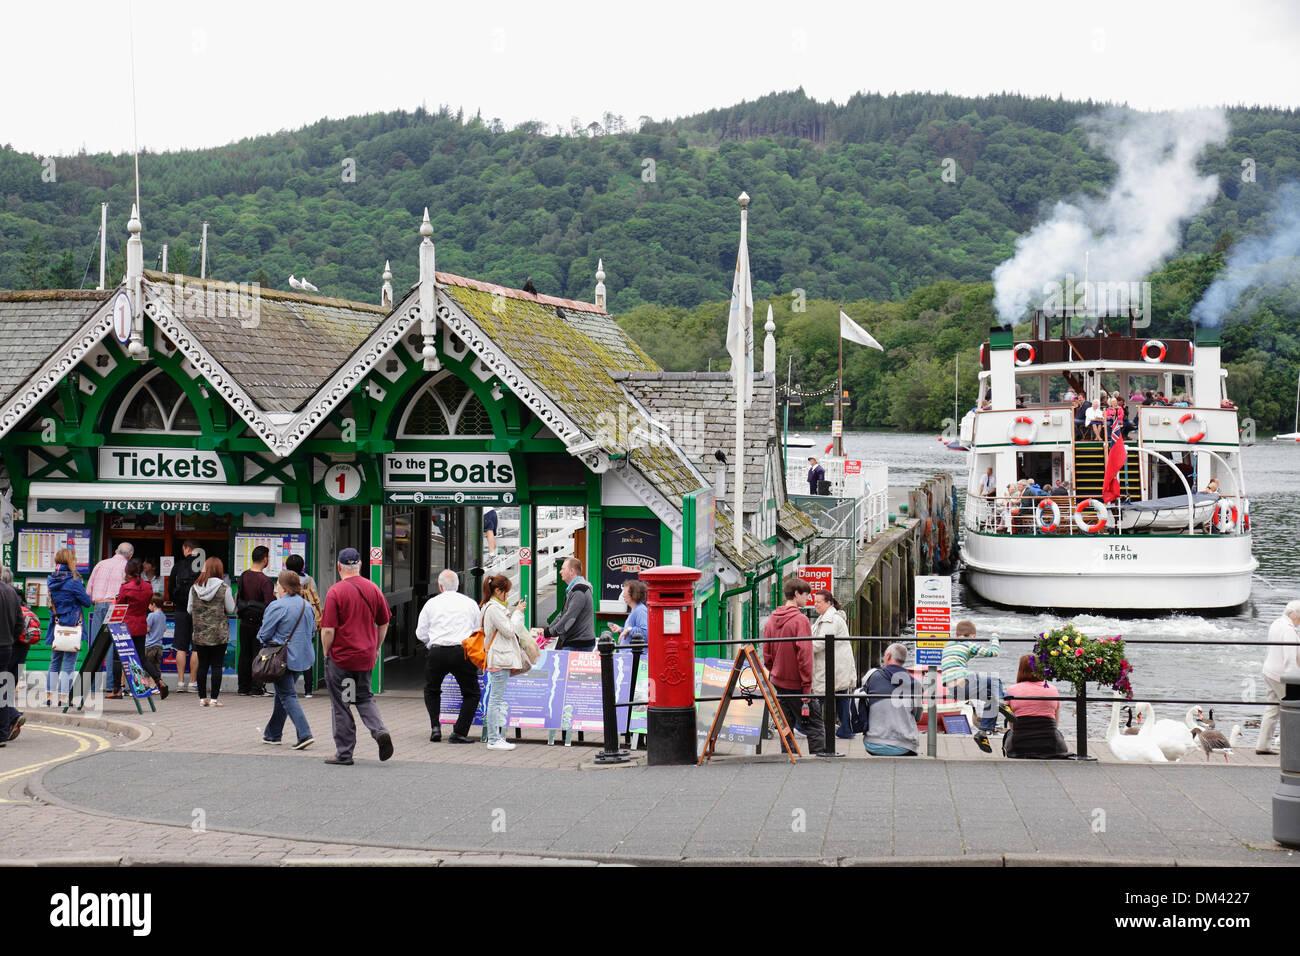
1258 265
1135 227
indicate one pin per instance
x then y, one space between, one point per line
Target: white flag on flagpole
7 516
855 333
740 327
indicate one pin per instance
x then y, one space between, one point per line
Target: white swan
1139 747
1173 739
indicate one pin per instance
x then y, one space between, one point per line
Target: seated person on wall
1033 733
889 719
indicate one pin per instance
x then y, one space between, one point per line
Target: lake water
1208 672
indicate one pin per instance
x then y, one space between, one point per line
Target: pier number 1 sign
933 618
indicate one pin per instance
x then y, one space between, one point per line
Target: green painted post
526 577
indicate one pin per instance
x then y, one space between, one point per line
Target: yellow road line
85 740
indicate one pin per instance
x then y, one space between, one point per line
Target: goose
1174 739
1137 748
1212 741
294 283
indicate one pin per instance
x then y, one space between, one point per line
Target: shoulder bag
475 651
272 663
67 637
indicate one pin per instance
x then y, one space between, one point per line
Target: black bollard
1286 798
1081 723
612 754
828 700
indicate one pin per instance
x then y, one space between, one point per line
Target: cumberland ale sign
449 478
159 464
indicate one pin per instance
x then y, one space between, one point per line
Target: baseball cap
349 556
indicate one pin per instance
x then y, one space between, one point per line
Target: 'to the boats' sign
449 478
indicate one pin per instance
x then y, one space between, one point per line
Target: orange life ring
1056 516
1022 420
1015 353
1146 351
982 353
1102 516
1225 516
1191 439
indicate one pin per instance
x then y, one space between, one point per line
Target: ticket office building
160 412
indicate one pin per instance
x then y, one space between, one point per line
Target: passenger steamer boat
1171 540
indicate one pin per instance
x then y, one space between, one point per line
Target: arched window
445 406
156 404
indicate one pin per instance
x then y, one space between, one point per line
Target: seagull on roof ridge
294 283
307 286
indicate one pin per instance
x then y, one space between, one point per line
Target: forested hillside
849 202
900 205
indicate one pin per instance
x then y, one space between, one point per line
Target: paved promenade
191 784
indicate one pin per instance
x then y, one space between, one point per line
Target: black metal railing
930 683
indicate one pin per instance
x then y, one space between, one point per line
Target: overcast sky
211 73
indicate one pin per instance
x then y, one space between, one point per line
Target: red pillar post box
670 716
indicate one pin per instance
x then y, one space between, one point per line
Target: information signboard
38 544
279 545
933 611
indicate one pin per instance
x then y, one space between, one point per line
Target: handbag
67 637
272 663
475 652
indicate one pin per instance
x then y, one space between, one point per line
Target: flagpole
839 394
738 511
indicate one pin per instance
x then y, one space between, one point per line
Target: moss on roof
795 523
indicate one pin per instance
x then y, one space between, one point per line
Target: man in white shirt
446 620
988 484
1282 657
105 581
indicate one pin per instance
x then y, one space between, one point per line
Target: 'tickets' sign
630 546
159 464
819 576
453 477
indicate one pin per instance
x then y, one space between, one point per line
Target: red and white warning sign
525 556
376 556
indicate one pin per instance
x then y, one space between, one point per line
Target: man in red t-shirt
351 630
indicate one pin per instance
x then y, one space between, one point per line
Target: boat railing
1088 516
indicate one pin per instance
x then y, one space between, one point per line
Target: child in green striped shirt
962 684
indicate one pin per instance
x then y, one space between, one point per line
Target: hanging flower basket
1067 654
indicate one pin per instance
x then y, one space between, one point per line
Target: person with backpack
889 725
256 592
210 606
67 597
307 589
12 627
288 621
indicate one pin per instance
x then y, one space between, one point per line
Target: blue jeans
495 715
286 705
983 687
63 663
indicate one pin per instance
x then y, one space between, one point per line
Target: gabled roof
35 324
251 344
700 407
